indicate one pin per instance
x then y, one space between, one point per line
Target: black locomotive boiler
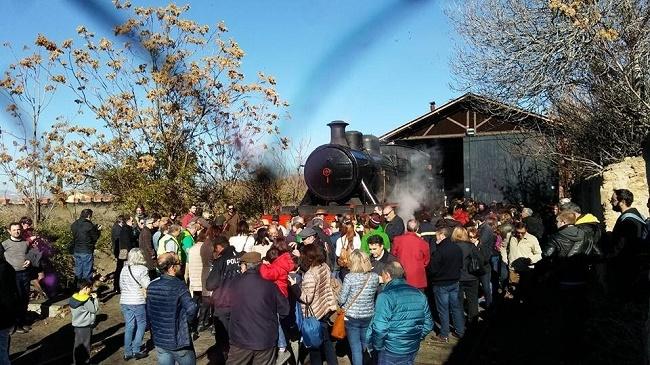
357 169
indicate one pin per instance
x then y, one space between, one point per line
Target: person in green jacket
402 319
376 229
187 239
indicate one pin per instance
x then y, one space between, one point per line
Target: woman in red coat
277 266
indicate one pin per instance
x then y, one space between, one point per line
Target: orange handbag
338 328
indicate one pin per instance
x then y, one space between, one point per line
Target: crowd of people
378 279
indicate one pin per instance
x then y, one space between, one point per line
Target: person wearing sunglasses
394 223
523 252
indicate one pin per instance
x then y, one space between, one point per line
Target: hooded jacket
568 241
221 278
593 230
84 309
278 272
379 231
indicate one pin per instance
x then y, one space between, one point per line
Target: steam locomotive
357 169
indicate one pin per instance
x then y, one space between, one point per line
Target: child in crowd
84 307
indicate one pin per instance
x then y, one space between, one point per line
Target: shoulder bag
338 329
309 325
142 288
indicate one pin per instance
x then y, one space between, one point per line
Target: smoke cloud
422 187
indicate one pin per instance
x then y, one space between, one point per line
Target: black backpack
475 264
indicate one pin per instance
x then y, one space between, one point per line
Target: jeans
356 332
446 300
487 288
327 346
83 266
135 321
282 339
182 357
4 346
388 358
22 283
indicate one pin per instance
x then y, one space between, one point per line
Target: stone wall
629 174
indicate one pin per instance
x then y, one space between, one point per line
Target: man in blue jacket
402 319
170 308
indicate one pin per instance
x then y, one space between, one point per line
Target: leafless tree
583 63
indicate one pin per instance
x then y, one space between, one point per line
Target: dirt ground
51 340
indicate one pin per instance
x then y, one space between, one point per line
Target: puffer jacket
278 272
220 281
316 291
364 304
568 241
169 308
402 319
84 309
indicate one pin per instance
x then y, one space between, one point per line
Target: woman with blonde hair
468 285
134 279
357 298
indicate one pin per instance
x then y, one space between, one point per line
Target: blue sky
375 64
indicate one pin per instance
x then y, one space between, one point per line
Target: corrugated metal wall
494 169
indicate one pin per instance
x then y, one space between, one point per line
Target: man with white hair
533 222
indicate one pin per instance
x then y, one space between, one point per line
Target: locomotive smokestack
337 130
432 106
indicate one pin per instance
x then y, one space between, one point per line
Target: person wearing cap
9 305
318 225
254 318
233 218
375 230
145 243
169 309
